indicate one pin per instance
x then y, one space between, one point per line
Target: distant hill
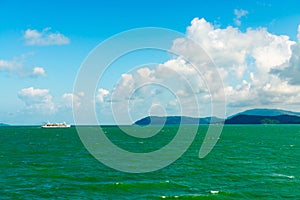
266 112
253 116
264 116
2 124
255 119
173 120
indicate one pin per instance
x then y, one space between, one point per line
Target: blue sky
37 72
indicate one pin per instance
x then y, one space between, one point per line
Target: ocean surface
248 162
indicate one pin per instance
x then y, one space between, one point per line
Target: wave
283 176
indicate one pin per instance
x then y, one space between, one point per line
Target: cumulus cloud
234 50
298 34
258 69
38 71
70 99
37 100
290 70
174 87
101 95
44 37
239 13
16 67
246 61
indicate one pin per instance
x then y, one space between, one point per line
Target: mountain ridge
266 112
251 116
2 124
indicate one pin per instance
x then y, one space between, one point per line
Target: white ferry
56 125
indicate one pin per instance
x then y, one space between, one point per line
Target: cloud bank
290 70
37 100
258 68
246 61
34 37
17 67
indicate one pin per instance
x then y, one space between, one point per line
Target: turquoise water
248 162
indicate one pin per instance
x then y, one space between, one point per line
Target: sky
253 45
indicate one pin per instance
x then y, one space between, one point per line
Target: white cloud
238 15
101 95
70 99
246 62
298 34
258 68
16 67
44 38
37 100
232 49
38 71
4 64
290 70
167 83
124 89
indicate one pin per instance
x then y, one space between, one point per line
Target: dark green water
248 162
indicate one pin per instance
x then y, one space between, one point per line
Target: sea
248 162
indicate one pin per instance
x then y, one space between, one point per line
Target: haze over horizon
255 47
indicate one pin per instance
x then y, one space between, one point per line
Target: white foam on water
164 197
285 176
214 191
